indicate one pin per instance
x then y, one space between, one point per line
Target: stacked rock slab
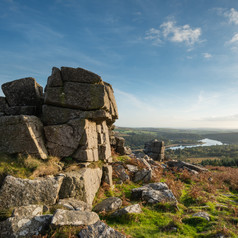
77 111
155 149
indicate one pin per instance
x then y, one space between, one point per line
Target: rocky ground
147 199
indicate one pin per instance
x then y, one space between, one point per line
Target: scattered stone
28 211
202 214
73 218
144 175
132 168
22 134
184 165
108 205
26 227
81 185
73 204
155 149
119 146
153 193
128 210
120 172
22 192
100 230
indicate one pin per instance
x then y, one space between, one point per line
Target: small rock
132 168
202 214
73 204
73 218
128 210
120 172
100 230
143 175
108 205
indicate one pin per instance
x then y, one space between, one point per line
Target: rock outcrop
155 149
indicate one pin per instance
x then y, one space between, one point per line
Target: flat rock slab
21 192
108 205
26 227
153 193
132 209
184 165
100 230
22 134
28 211
81 185
73 204
74 218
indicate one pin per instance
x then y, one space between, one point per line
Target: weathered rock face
21 192
155 149
73 204
78 108
82 184
100 229
22 134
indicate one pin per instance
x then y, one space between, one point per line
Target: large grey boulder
73 218
108 205
82 184
73 204
21 192
79 75
23 92
153 193
26 227
100 230
22 134
132 209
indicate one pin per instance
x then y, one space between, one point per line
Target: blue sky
172 63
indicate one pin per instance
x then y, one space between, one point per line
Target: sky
172 63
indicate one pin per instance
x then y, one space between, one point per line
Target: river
205 142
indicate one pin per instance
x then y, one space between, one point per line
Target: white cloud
223 118
232 15
234 39
207 55
174 33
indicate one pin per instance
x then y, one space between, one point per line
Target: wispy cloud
232 15
223 118
207 55
174 33
234 39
